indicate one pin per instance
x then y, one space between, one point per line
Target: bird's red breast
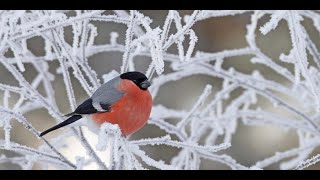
131 112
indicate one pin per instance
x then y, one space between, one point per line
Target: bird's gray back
107 93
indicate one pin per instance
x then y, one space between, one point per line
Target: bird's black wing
102 99
87 108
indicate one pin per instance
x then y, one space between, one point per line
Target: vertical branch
300 48
129 34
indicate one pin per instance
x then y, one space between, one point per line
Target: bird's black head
138 78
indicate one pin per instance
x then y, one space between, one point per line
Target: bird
124 100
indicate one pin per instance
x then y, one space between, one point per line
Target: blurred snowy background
249 143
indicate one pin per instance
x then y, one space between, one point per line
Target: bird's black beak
145 84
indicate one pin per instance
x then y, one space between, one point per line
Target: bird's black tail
70 114
64 123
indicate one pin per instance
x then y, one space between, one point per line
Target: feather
64 123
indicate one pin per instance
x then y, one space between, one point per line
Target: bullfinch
124 100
